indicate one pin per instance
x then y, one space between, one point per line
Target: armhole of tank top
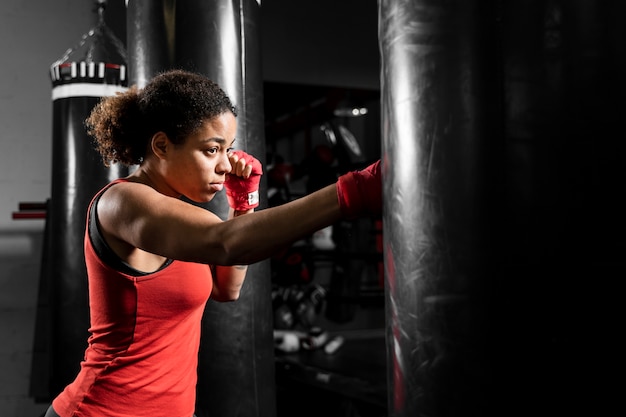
104 251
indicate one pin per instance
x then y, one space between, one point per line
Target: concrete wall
33 34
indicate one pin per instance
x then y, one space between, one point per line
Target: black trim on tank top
104 251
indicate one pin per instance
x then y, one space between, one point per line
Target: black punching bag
95 68
438 90
564 88
236 361
150 34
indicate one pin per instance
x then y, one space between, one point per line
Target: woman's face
197 168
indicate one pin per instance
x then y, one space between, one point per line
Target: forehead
222 129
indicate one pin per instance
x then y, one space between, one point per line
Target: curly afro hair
175 102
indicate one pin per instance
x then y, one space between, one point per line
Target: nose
223 165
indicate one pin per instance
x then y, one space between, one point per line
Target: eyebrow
221 141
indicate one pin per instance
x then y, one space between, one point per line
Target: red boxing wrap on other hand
360 193
243 193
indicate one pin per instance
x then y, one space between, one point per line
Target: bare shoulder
139 216
124 204
132 201
125 197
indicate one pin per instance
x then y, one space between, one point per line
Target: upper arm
146 219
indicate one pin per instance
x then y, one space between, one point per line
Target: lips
216 186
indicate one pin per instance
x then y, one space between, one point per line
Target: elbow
227 297
231 295
234 251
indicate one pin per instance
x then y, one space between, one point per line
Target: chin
201 199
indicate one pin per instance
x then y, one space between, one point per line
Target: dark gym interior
490 285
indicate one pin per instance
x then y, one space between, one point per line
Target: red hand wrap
360 193
243 193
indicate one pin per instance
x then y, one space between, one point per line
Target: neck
147 176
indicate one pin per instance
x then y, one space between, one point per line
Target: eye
212 151
230 150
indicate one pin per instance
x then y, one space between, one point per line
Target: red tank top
142 355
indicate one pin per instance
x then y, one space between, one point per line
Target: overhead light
352 111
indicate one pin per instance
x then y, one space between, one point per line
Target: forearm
256 236
228 280
251 238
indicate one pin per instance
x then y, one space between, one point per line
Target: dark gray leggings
52 413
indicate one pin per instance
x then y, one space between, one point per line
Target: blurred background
554 116
316 57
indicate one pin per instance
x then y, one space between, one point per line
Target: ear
159 144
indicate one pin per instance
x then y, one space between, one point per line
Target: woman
153 260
